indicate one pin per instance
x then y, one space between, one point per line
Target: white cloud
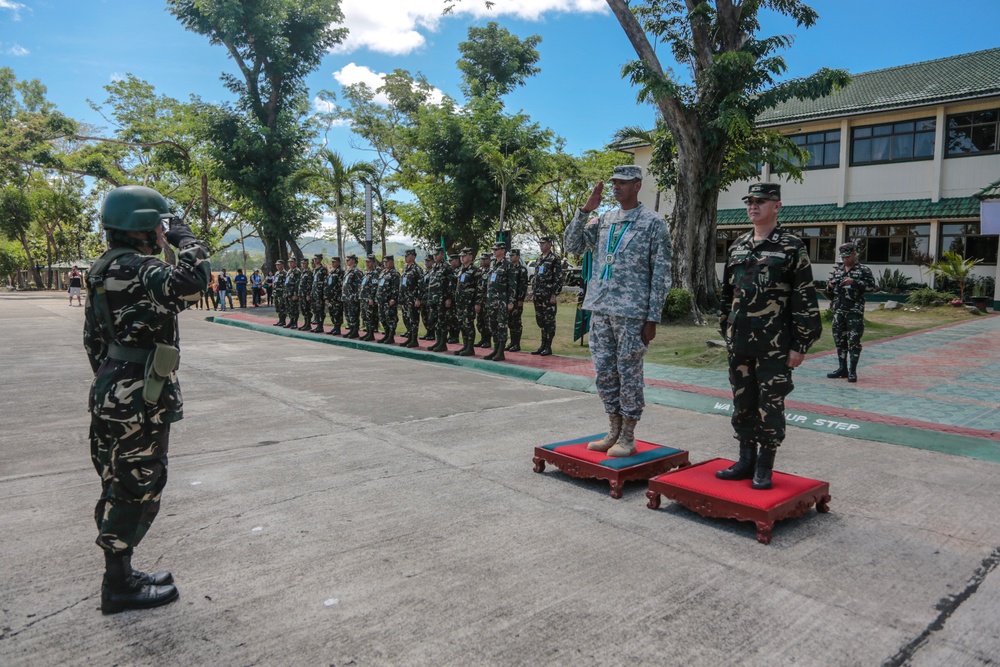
354 73
15 7
397 27
115 76
326 106
15 49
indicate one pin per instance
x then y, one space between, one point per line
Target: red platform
697 488
573 458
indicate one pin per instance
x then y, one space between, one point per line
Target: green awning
863 211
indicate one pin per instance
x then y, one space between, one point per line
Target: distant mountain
311 245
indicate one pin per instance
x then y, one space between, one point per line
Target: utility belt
159 362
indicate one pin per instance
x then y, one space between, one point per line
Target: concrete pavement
330 505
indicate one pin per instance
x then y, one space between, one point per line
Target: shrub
678 305
927 297
827 315
893 281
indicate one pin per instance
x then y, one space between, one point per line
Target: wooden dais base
697 489
573 458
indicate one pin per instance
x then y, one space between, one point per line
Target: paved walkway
938 389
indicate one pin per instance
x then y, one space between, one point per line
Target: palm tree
331 182
507 171
954 267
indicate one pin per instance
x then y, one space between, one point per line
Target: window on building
893 142
821 242
823 147
973 133
724 240
891 244
965 239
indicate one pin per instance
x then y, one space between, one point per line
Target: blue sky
77 46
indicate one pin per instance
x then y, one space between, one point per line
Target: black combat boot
547 349
842 371
279 323
317 329
852 369
485 343
122 590
294 324
497 353
541 347
369 335
762 473
390 337
351 333
467 350
430 335
334 332
453 339
515 344
306 327
742 469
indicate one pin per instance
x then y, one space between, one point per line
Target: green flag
582 324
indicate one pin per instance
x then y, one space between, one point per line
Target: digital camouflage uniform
411 289
305 290
483 316
317 295
369 311
501 290
545 284
387 298
291 293
334 296
466 297
768 309
128 436
351 294
515 323
849 310
440 290
628 287
278 294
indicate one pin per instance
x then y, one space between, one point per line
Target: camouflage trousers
318 311
498 322
483 322
292 307
411 316
440 315
515 324
369 313
336 309
465 313
428 314
131 459
389 316
848 328
617 350
760 384
545 317
279 305
352 313
453 323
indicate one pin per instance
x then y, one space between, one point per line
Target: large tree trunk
36 274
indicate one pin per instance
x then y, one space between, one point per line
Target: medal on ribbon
614 242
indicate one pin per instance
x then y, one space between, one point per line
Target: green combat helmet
134 208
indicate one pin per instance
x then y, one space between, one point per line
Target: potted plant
982 295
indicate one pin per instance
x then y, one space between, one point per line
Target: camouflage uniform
334 296
501 290
426 311
483 317
351 294
291 293
317 297
278 291
128 436
440 291
305 290
369 311
546 284
466 297
768 309
387 298
849 315
455 265
628 288
515 323
411 289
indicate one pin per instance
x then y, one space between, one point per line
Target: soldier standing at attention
501 288
631 278
769 319
369 311
317 295
351 294
440 290
849 282
387 297
305 290
278 289
466 300
411 289
334 295
516 325
424 304
292 303
545 285
482 312
456 264
130 336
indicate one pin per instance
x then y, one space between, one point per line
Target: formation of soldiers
454 297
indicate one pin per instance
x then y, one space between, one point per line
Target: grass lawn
685 344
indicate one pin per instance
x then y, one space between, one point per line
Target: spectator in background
241 287
257 286
222 289
269 285
75 280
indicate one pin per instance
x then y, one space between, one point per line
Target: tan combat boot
626 441
614 428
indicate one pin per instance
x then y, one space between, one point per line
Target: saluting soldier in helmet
130 336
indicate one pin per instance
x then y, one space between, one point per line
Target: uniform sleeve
806 323
93 341
556 277
868 279
512 281
580 236
661 254
172 287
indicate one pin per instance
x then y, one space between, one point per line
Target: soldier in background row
501 289
440 291
456 264
292 293
848 282
305 290
424 304
334 295
482 312
351 295
369 283
516 324
317 295
545 285
411 289
387 298
769 319
278 291
466 302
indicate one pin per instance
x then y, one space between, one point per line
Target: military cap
545 239
335 259
467 251
318 255
279 262
769 191
452 256
438 251
428 258
486 255
848 249
351 256
515 251
626 172
371 258
409 252
388 258
499 246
